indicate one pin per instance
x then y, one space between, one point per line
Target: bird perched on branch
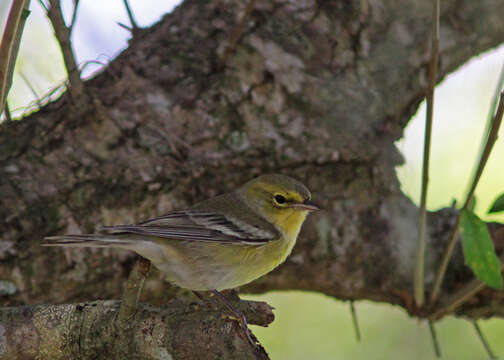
220 243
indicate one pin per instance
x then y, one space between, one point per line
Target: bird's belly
206 266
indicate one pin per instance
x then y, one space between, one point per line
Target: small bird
221 243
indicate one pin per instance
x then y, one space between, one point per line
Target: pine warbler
220 243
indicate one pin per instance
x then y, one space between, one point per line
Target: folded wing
197 225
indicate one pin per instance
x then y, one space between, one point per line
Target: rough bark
90 331
316 90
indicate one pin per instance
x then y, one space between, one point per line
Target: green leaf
498 205
479 251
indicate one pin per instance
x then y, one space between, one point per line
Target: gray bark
316 90
90 331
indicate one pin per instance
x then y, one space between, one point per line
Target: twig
9 47
8 116
134 26
74 16
485 343
133 290
435 342
125 27
489 142
62 33
462 295
237 32
418 280
445 259
38 102
30 86
493 106
44 5
355 321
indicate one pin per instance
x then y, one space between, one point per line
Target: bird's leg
198 295
133 290
240 316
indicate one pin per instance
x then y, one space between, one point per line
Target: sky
462 104
96 37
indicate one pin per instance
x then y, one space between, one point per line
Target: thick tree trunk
316 90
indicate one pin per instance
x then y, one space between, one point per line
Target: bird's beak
306 205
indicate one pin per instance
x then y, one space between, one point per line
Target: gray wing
198 225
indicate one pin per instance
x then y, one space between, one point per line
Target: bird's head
279 199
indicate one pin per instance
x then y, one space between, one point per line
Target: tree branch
9 47
63 33
89 331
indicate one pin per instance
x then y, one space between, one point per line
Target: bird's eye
279 199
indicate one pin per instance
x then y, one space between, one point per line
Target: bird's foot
238 317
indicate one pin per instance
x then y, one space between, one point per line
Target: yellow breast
271 255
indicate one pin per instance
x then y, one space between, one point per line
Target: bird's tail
89 240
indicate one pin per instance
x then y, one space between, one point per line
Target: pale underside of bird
198 248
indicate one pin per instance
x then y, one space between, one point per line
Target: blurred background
308 324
